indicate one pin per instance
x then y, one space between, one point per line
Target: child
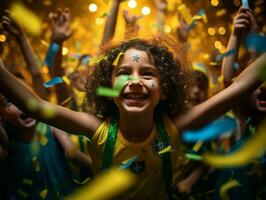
249 113
153 99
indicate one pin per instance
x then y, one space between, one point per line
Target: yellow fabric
150 181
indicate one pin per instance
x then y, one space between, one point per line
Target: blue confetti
222 56
211 131
52 50
128 163
54 81
256 42
245 4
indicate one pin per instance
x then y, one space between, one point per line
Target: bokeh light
132 4
93 7
146 10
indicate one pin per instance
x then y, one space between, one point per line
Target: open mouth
25 118
262 97
135 96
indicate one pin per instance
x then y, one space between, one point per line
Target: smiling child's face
141 95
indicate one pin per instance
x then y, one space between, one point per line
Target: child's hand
11 26
60 21
241 22
130 19
161 5
184 187
254 28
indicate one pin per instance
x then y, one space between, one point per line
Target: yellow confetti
65 102
221 78
42 139
97 59
22 193
48 112
27 181
32 104
43 193
221 12
66 80
197 146
26 18
45 43
185 12
115 63
249 151
165 150
227 186
100 187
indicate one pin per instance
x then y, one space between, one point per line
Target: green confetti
118 86
27 181
193 156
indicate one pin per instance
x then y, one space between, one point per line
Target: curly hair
174 77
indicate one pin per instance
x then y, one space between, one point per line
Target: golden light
206 56
167 28
222 49
214 2
93 7
45 70
146 10
218 44
211 31
132 4
221 30
99 21
2 38
64 51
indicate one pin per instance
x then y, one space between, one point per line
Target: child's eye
119 73
148 74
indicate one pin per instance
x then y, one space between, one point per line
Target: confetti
48 112
245 4
52 50
105 14
118 86
210 131
221 12
126 164
27 181
26 18
100 187
66 80
32 104
97 59
197 146
65 102
227 186
53 82
165 150
115 63
185 12
200 67
250 150
193 156
43 193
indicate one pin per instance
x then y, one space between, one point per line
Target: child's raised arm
217 105
15 30
110 23
241 24
60 117
60 24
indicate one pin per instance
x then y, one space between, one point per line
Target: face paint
136 58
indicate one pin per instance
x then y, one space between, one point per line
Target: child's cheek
152 84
